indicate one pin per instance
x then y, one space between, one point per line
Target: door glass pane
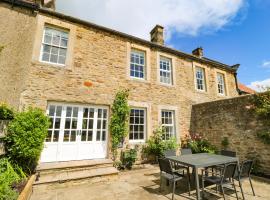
74 124
66 136
55 136
68 114
98 136
83 137
103 135
67 123
90 136
73 136
55 120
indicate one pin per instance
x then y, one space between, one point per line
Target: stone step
70 166
60 177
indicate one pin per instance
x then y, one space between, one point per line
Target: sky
230 31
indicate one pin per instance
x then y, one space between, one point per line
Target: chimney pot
198 52
157 35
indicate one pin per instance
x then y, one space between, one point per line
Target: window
137 64
168 123
54 46
165 66
200 79
221 83
55 113
137 125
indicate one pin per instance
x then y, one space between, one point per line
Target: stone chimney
157 35
198 52
48 4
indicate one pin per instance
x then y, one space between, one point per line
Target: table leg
197 184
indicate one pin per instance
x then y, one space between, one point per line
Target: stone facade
234 119
101 58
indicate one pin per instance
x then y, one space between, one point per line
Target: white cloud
260 85
137 17
266 64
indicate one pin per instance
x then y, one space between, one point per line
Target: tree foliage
119 118
261 103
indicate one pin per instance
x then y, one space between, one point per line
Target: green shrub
199 144
128 158
225 142
119 119
9 176
156 145
25 138
6 113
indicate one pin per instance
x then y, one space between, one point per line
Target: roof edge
36 7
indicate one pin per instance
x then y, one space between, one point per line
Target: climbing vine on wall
261 102
119 119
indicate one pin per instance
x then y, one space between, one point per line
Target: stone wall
17 28
234 119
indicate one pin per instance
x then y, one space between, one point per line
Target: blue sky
230 31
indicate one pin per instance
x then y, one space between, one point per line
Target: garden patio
142 184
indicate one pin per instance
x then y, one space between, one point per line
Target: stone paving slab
72 164
141 184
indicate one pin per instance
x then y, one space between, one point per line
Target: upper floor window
137 125
168 123
165 66
54 46
137 64
221 84
200 79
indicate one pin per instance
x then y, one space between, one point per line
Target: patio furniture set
220 170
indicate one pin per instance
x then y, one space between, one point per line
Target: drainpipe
235 67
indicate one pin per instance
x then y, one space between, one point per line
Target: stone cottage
73 68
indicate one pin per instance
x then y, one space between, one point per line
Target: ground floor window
137 125
168 123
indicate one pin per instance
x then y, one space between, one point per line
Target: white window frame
168 62
173 125
144 125
221 84
201 79
53 45
135 51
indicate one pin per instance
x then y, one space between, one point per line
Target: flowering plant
198 144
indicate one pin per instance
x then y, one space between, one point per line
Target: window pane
45 57
61 60
47 39
137 126
56 40
64 42
53 58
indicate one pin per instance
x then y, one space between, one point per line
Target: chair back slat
228 153
246 168
229 170
171 152
165 165
186 151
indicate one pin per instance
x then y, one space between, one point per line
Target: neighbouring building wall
234 119
17 27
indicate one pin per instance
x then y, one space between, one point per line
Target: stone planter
28 189
3 132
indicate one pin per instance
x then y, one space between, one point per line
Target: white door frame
55 151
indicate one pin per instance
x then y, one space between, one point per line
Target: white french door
76 133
